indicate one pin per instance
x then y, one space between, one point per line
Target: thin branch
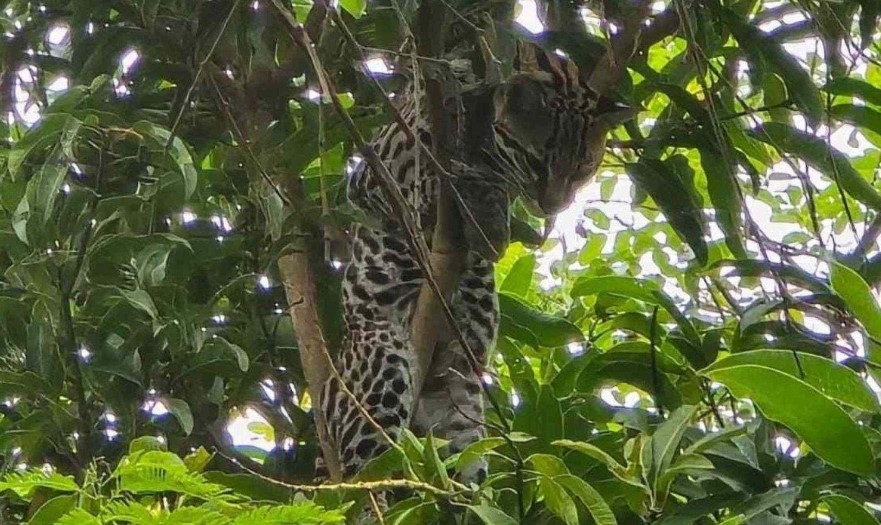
380 485
201 67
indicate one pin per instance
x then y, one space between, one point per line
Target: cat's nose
554 200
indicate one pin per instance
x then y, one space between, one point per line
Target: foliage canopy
699 340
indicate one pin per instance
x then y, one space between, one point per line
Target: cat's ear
526 60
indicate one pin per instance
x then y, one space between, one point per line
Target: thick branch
633 38
298 275
447 259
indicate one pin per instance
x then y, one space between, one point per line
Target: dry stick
385 484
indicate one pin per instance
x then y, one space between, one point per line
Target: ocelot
546 138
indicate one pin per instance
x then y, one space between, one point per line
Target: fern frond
306 513
130 512
158 471
78 516
24 483
196 516
139 514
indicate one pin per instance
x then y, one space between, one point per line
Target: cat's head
547 112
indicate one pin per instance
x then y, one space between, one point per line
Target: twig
385 484
656 379
199 70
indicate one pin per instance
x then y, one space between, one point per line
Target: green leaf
181 411
42 134
24 483
303 513
849 511
544 419
356 8
476 450
832 379
756 268
859 298
639 289
558 500
79 516
590 498
534 327
674 198
822 424
491 515
722 187
819 155
519 278
433 462
140 300
760 46
664 444
237 351
619 470
860 116
176 148
43 190
50 512
854 87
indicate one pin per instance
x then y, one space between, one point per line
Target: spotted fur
544 139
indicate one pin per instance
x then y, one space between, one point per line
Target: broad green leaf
849 511
547 464
760 46
782 498
534 327
434 464
832 379
42 134
674 197
596 453
177 149
822 424
50 512
722 187
237 351
24 483
181 411
664 444
491 515
543 419
858 296
819 155
640 289
558 500
140 300
860 116
356 8
590 498
145 444
855 87
519 278
43 191
477 450
758 268
79 516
